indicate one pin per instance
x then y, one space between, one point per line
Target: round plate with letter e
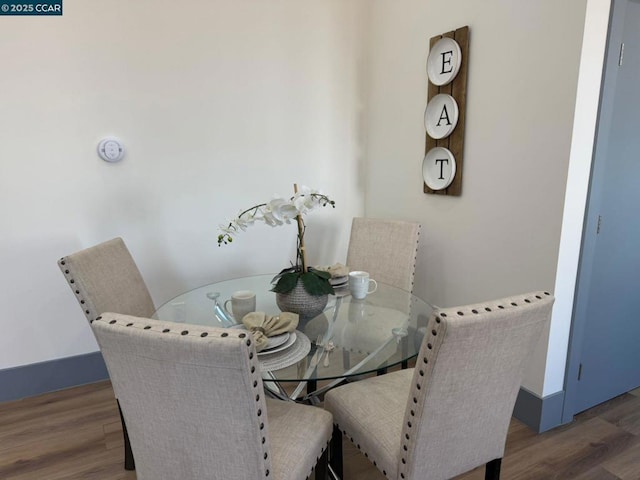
443 62
438 168
441 116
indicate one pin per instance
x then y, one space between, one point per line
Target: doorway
604 355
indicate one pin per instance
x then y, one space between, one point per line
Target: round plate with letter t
438 168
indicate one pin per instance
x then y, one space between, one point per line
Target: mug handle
228 310
375 285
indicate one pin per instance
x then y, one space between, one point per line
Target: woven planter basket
299 301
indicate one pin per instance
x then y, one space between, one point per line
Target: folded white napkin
336 270
262 326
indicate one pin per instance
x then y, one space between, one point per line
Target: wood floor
75 434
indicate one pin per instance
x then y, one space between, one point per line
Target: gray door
608 295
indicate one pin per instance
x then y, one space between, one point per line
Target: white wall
502 235
220 104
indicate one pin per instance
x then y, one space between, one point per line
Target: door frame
594 200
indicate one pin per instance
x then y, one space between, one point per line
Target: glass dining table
349 338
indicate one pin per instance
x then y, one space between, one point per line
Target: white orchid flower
276 212
282 210
304 190
229 228
270 219
305 199
244 221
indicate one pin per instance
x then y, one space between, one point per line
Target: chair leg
405 352
335 453
129 462
322 467
382 370
492 469
346 362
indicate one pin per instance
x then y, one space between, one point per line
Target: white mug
242 302
360 284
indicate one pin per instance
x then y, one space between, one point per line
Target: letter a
444 115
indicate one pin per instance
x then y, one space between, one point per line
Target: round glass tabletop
350 337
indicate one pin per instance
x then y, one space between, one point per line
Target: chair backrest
105 278
192 398
386 249
467 376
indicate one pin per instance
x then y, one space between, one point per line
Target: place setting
277 342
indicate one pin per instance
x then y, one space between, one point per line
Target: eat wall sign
445 113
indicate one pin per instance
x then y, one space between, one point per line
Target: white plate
443 62
342 291
441 116
277 340
290 341
339 280
438 168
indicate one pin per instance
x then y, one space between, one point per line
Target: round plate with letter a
438 168
441 116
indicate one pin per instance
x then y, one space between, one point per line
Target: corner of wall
539 414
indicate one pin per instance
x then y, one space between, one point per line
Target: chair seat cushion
294 452
371 413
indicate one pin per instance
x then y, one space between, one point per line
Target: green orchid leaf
286 282
315 284
320 273
285 271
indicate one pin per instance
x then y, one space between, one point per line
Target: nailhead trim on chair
425 365
365 453
415 258
69 276
255 370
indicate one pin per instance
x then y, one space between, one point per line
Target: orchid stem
301 250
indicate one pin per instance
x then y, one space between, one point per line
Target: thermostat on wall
111 149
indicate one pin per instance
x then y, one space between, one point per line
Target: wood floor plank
597 473
605 407
40 454
50 403
568 454
625 415
49 427
520 436
625 465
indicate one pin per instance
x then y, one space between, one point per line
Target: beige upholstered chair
386 249
105 278
451 412
195 406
